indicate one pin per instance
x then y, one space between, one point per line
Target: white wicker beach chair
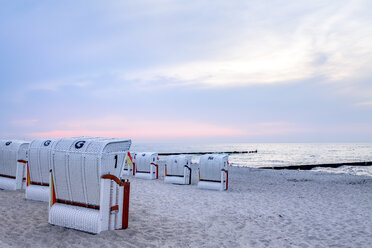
38 167
129 165
13 160
213 172
178 170
85 191
146 165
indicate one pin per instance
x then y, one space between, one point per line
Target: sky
187 71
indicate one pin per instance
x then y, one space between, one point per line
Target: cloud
235 45
364 104
332 41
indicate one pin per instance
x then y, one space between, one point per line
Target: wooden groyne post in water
202 153
311 166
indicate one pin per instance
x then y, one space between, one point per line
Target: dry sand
262 208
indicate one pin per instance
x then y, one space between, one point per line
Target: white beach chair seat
37 193
213 172
7 183
178 170
75 217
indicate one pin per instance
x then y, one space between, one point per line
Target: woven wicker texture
37 193
145 167
211 185
40 159
10 152
144 160
7 183
176 164
176 180
92 220
210 166
79 218
78 164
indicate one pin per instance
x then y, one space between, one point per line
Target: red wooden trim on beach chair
227 178
113 178
41 184
157 170
12 177
126 185
78 204
214 181
114 208
175 175
125 220
24 162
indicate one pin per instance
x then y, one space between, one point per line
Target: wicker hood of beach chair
213 172
85 190
13 160
178 169
146 165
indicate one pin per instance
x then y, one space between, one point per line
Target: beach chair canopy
143 161
79 163
210 166
10 152
40 160
176 164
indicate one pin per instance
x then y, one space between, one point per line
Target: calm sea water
280 154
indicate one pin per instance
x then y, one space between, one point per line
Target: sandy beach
262 208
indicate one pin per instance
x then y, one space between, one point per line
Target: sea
279 154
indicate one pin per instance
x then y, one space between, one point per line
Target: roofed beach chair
38 167
13 161
213 172
85 191
147 165
178 170
129 165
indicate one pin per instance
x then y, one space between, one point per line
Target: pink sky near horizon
119 127
142 130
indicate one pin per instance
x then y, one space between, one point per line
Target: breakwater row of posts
288 167
203 153
311 166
